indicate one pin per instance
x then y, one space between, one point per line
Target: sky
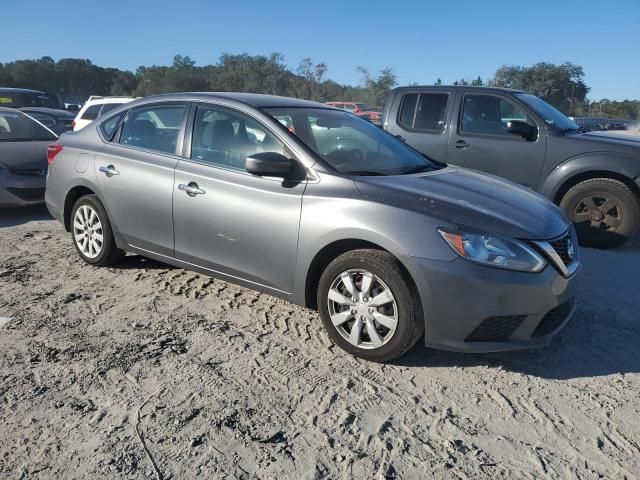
420 40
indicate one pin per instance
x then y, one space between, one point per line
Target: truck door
479 139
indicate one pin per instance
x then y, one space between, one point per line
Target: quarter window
489 115
156 127
109 126
424 111
225 138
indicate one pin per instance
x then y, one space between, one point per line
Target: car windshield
350 144
363 107
549 114
18 127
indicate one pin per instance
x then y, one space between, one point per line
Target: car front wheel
606 212
91 233
369 306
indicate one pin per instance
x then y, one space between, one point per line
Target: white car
96 106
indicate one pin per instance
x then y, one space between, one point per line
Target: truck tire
605 212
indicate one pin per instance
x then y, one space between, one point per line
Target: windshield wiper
369 173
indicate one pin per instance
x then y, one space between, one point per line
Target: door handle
401 138
460 145
192 189
109 171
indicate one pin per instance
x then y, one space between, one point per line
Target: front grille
495 329
27 194
553 319
561 246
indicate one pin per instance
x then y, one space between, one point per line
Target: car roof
256 100
460 87
20 90
98 101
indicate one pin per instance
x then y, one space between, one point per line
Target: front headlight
495 251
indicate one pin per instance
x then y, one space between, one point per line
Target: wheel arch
330 252
70 200
574 180
588 166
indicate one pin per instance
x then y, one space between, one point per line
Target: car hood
470 199
24 155
614 137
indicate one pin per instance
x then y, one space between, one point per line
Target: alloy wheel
601 211
362 308
87 231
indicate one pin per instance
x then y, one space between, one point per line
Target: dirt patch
147 371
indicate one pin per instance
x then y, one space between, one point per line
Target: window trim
438 131
508 136
179 142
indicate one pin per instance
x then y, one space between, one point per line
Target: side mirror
269 164
521 128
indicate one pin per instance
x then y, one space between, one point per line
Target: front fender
612 162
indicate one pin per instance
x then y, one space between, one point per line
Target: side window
109 126
431 111
223 138
349 107
408 110
156 127
488 115
91 113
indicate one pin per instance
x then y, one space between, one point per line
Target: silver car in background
319 207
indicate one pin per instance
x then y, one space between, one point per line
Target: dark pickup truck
593 177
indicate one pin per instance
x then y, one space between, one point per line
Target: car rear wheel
369 305
606 212
91 233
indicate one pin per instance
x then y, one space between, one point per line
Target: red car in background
373 114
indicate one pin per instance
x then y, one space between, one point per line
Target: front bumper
472 308
18 190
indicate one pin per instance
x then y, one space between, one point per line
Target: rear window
23 99
17 127
91 113
423 111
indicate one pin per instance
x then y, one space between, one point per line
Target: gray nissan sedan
322 208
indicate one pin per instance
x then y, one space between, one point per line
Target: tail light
52 150
73 125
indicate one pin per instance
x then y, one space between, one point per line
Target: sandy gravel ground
147 371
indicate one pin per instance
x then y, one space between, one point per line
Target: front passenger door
235 223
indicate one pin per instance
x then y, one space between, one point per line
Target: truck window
423 111
488 115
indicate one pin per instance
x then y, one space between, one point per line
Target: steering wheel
342 149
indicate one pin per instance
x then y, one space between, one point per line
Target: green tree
560 85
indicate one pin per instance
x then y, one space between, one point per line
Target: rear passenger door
135 173
226 219
421 121
481 140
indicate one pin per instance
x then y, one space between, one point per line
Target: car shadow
11 217
602 338
138 262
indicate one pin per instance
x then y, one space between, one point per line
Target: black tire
587 206
109 253
410 322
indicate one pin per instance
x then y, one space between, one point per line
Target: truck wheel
606 212
369 305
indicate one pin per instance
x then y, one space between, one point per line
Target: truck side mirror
526 131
